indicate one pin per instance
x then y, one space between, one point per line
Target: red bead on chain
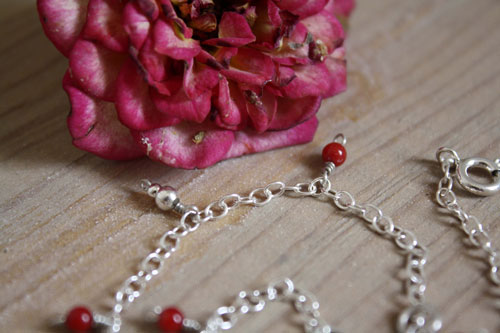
79 319
170 320
334 152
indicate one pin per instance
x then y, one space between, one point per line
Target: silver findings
474 186
419 318
247 302
284 291
453 166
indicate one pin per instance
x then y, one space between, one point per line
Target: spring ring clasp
472 185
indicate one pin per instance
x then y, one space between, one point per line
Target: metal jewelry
418 316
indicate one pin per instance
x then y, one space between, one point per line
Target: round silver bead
167 198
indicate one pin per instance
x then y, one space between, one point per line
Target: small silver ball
167 198
153 190
145 184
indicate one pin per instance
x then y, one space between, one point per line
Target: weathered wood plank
422 74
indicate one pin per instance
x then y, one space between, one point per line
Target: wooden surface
422 74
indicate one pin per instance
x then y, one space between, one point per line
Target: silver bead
153 190
167 198
145 185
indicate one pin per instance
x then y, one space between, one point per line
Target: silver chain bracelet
418 316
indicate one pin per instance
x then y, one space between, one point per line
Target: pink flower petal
95 128
179 105
294 111
325 28
173 44
149 8
248 142
233 31
335 64
208 59
251 67
136 25
62 21
155 64
104 24
301 7
224 55
133 102
341 7
230 105
171 16
186 145
261 109
268 24
311 80
95 68
199 78
295 49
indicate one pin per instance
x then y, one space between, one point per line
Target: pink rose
190 83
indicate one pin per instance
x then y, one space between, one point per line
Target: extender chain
417 317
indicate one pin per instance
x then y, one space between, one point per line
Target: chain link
469 224
284 291
169 242
417 317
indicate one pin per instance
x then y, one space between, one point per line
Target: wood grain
422 74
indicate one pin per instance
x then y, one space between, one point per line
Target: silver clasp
471 185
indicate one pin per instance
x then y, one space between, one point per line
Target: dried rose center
203 15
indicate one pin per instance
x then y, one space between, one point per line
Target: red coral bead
79 319
170 320
334 152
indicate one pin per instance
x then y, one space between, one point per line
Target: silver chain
469 224
417 317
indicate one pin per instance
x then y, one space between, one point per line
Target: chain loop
469 224
418 317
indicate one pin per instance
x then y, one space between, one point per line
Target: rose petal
205 23
303 8
311 80
104 24
295 49
154 63
62 21
336 66
325 28
199 78
149 8
170 43
341 7
224 55
171 16
251 67
268 25
294 111
154 67
133 102
186 145
136 25
230 104
261 109
95 128
95 68
179 105
208 59
233 31
248 142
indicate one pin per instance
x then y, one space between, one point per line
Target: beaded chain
418 316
